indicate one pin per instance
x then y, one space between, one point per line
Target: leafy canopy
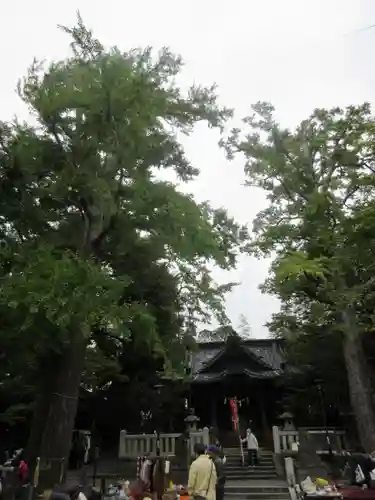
319 181
81 195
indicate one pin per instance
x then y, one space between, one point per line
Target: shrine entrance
255 411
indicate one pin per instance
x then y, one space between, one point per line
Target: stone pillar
206 436
122 450
276 439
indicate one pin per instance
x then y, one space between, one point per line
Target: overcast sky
298 54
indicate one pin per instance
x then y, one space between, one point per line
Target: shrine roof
269 352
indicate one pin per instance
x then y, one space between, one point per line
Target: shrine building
248 370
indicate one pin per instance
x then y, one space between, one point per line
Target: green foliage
224 332
105 121
15 413
90 235
313 355
319 228
244 328
220 334
320 186
62 286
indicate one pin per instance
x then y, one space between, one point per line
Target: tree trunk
360 389
40 416
46 385
57 435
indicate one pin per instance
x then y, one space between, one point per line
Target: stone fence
283 440
135 445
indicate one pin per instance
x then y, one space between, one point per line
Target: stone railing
135 445
335 439
283 440
202 436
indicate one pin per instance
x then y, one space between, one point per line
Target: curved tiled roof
271 355
268 351
201 357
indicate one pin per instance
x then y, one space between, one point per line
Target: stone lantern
191 421
287 421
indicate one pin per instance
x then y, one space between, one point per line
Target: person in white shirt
252 448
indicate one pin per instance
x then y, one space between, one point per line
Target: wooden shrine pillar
266 430
214 411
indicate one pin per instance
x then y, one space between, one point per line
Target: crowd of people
207 477
207 472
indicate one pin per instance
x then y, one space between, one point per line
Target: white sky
298 54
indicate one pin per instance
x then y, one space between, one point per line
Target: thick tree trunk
360 389
57 434
47 376
40 416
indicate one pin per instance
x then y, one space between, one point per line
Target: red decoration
234 410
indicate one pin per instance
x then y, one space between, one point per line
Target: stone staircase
253 483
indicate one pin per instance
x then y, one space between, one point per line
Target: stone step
247 470
236 465
239 455
238 486
250 473
236 457
241 467
258 496
252 476
239 461
237 449
272 490
253 490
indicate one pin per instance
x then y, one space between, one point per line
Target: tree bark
57 435
360 389
47 376
40 416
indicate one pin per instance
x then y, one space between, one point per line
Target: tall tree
83 179
315 374
220 334
319 180
244 327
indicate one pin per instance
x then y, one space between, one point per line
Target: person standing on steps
252 448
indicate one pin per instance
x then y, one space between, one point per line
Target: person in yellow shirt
202 476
